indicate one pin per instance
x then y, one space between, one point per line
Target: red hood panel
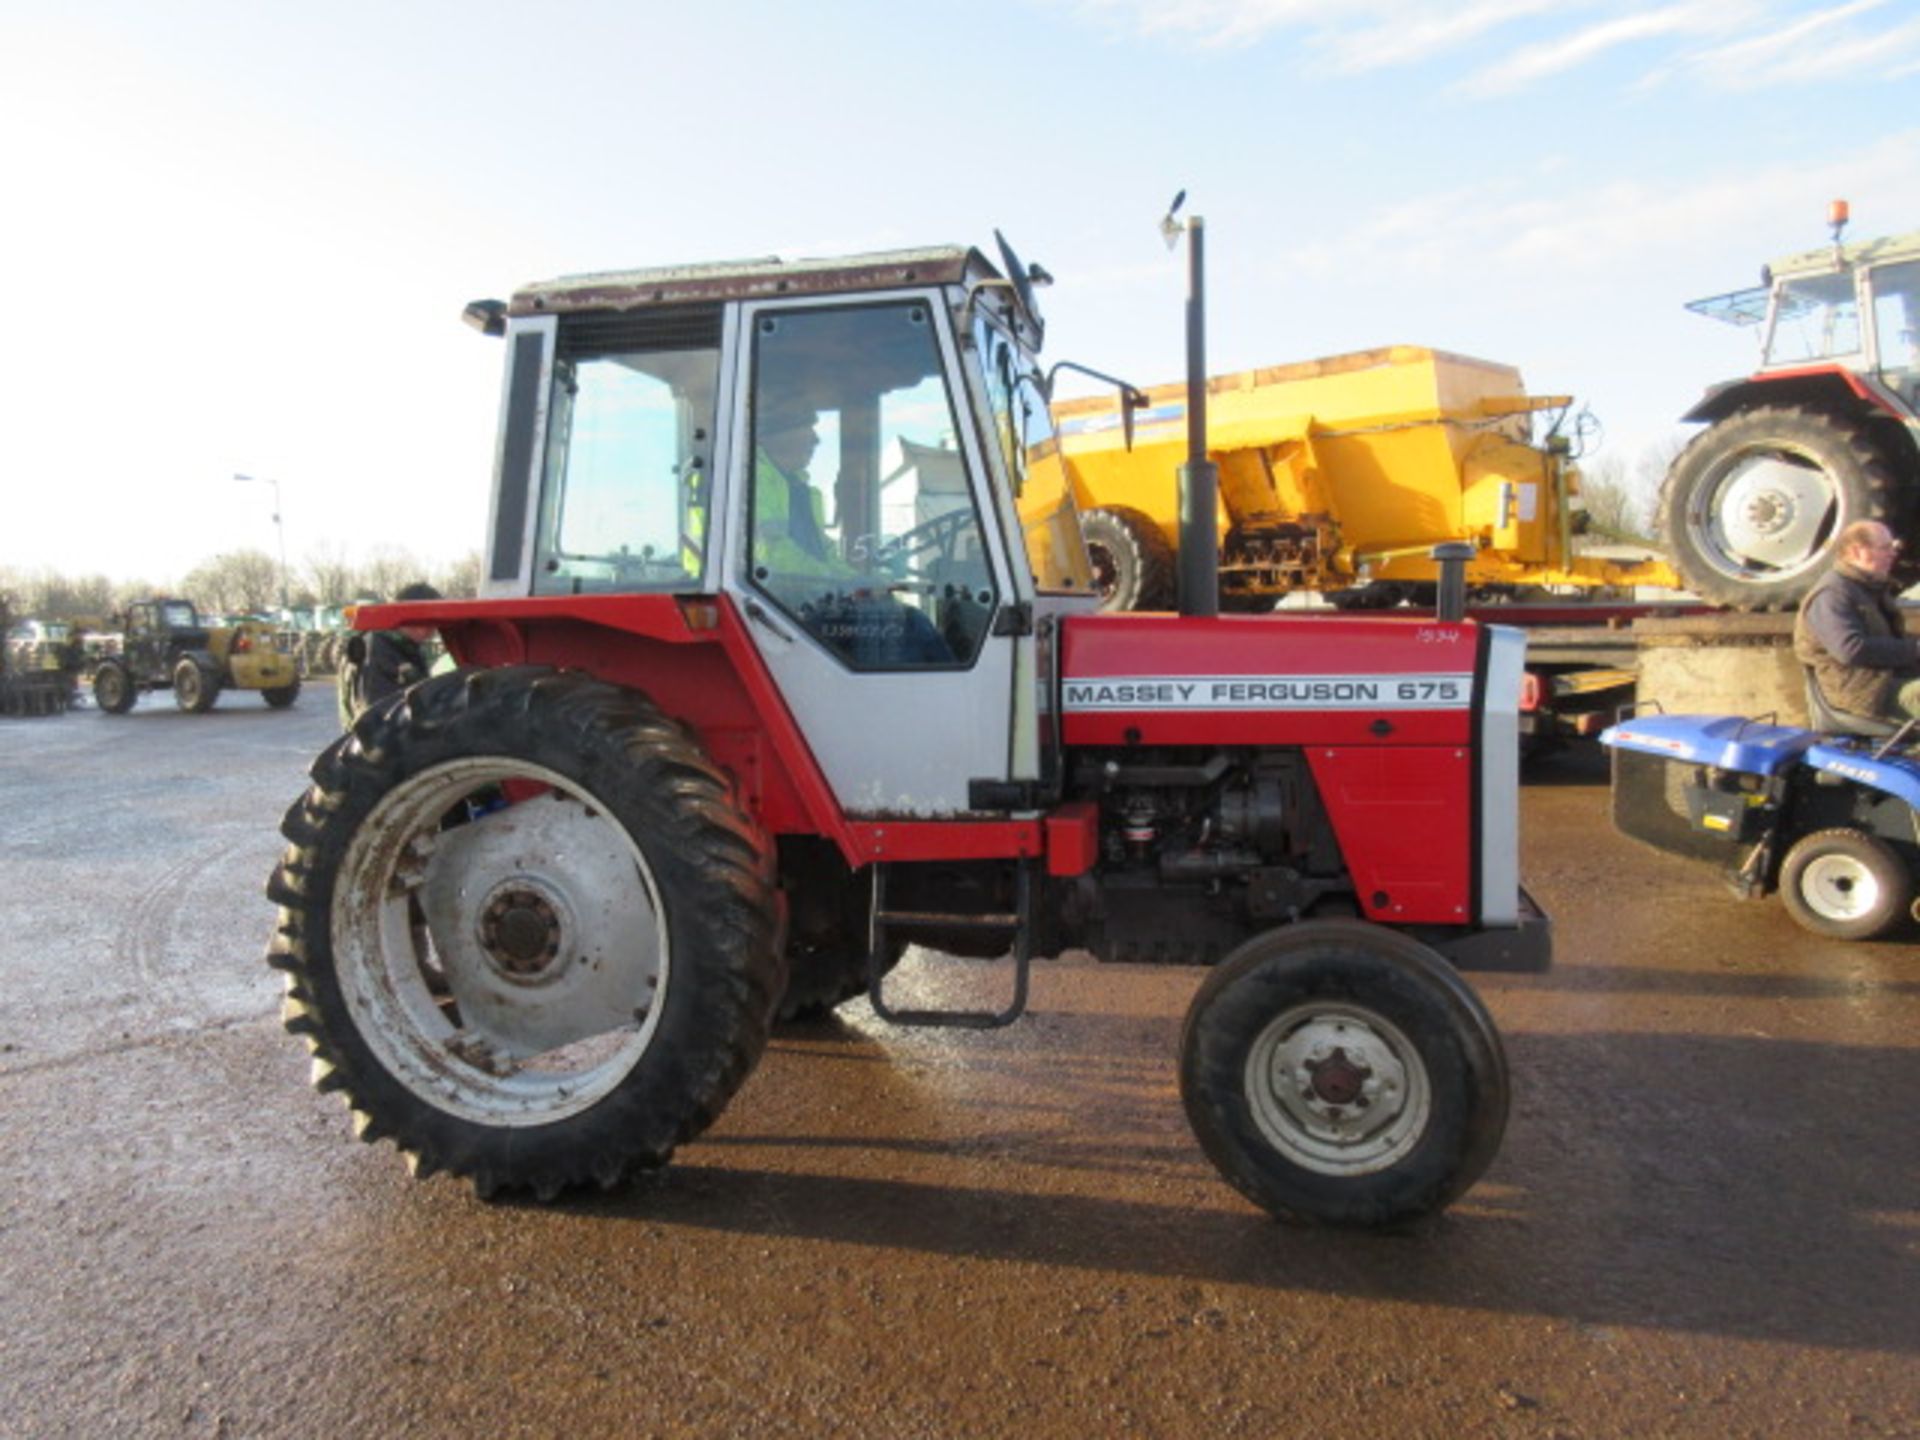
1266 679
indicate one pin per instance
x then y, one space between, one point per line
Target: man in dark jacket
1851 633
389 660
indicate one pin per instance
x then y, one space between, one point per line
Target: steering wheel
941 533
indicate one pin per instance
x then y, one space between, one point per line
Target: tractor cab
1851 307
856 453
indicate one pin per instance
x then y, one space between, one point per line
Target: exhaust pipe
1450 598
1198 577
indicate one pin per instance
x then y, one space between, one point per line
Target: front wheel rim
1839 888
1338 1089
505 963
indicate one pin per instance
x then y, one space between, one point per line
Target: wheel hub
1840 887
1338 1088
1101 565
1336 1079
1769 512
521 931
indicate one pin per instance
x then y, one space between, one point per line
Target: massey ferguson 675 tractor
762 688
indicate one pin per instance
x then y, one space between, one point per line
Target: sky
238 236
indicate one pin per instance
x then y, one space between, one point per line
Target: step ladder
886 919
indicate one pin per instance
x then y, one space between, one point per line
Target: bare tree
1650 467
1617 508
387 570
461 580
128 591
330 574
238 580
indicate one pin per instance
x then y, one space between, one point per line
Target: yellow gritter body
1353 467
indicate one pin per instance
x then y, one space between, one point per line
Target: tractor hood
1140 679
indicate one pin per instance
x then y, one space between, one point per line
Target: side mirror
1132 397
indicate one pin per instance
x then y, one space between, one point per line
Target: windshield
1030 451
1896 315
1815 317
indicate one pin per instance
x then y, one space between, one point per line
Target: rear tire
1751 508
538 993
1846 884
1133 565
829 908
1339 1073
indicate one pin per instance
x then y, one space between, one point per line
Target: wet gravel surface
1703 1222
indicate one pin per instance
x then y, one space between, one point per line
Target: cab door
873 586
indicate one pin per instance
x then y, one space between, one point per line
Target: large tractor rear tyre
1751 508
1133 565
195 687
113 689
1845 884
1339 1073
829 909
527 931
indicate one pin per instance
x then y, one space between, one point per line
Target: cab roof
1861 252
765 278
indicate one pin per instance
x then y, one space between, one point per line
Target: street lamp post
278 525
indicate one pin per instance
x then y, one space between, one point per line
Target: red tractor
1826 431
762 687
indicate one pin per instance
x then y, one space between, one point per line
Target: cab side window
861 523
624 498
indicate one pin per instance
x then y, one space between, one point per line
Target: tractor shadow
1733 1186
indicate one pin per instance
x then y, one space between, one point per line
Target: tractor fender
1890 776
1824 387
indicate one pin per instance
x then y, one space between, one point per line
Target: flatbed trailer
1587 662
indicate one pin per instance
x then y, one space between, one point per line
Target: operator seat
1824 718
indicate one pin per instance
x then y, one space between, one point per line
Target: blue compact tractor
1831 821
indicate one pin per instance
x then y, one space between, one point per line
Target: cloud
1726 44
1528 234
1824 46
1403 35
1539 61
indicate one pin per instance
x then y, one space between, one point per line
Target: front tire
526 930
1845 884
1338 1073
113 688
281 696
1753 505
1133 565
195 687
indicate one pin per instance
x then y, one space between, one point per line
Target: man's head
418 590
789 434
1869 547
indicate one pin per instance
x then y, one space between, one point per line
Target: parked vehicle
1831 821
762 688
1822 433
1340 475
164 645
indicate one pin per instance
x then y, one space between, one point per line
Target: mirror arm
1132 397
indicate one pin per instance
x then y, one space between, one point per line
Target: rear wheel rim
1338 1088
1765 513
508 969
